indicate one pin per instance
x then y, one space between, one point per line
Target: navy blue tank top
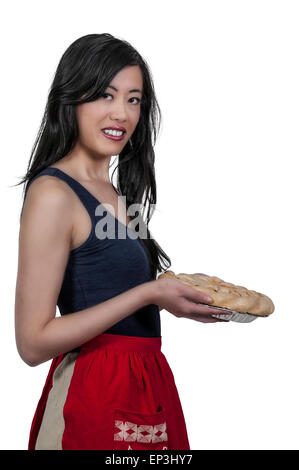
101 268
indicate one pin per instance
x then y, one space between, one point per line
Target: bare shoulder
48 201
49 190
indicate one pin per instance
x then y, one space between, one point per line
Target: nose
118 110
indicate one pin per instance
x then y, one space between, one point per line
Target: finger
203 318
197 296
222 319
209 319
206 309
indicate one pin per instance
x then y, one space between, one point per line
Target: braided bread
225 294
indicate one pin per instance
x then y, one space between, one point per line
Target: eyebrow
130 91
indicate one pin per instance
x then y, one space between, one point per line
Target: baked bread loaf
225 294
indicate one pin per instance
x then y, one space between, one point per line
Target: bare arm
62 334
44 246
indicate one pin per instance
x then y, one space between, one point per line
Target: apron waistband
123 343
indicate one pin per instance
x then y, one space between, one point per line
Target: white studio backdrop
226 78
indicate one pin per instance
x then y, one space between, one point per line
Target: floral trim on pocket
136 431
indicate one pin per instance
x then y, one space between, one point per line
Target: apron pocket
139 431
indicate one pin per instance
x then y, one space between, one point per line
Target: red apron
117 392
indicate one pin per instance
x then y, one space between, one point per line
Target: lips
113 137
114 128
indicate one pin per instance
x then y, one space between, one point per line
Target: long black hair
84 72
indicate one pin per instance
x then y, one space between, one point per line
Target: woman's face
119 106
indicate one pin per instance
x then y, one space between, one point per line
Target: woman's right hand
184 301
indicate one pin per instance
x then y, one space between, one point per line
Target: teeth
116 133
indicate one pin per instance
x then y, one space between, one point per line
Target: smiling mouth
114 136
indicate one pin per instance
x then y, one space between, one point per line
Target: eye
134 98
138 99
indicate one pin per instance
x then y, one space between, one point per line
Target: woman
109 385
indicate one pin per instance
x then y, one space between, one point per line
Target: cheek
89 119
135 116
85 126
90 112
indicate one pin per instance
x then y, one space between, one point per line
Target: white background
226 78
